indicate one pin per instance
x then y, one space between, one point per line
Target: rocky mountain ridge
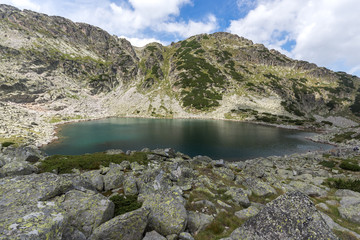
56 71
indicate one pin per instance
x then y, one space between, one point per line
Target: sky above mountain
326 32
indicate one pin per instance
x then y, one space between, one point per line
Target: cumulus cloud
132 18
140 42
324 31
187 29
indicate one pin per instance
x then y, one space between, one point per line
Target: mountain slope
53 70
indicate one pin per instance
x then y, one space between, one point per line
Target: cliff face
63 70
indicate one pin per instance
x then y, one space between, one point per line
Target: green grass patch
7 144
328 164
339 138
350 184
125 204
65 163
351 166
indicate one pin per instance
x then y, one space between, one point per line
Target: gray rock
307 188
239 196
71 233
185 236
130 186
86 210
218 163
290 216
198 221
350 210
172 237
114 178
130 225
153 235
136 167
95 178
247 212
323 206
334 226
259 187
17 168
346 193
225 173
168 215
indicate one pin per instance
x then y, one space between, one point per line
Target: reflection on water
217 139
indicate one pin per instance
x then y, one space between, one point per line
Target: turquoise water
215 138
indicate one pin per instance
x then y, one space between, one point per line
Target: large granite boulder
153 235
86 210
114 178
225 173
130 225
290 216
95 178
25 210
349 205
168 215
17 168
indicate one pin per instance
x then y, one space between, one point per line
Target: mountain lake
228 140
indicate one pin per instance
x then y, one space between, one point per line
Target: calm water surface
216 139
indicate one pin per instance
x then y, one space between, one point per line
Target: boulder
239 196
168 215
198 221
86 210
130 225
259 187
247 212
307 188
153 235
95 178
290 216
17 168
37 220
185 236
114 178
225 173
130 186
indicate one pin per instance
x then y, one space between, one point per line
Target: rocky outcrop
291 216
127 226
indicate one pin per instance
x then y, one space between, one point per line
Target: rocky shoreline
178 197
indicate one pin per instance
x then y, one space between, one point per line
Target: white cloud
140 42
27 4
326 32
190 28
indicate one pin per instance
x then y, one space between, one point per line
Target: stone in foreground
127 226
291 216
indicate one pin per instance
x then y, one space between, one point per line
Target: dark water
216 139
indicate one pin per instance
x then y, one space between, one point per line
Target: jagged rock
153 235
136 167
259 187
71 233
32 188
334 226
225 173
37 220
247 212
168 215
17 168
86 210
172 237
307 188
290 216
185 236
95 178
130 225
130 186
114 178
239 196
349 205
198 221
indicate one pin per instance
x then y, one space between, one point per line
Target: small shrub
125 204
353 185
328 164
7 144
346 165
65 164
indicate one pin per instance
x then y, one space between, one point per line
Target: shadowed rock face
291 216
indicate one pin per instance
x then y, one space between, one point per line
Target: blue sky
325 32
